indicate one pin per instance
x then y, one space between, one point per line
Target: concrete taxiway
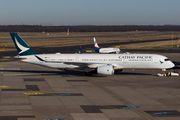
31 92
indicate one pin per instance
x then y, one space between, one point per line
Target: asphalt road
31 92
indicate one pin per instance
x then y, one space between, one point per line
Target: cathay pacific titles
135 57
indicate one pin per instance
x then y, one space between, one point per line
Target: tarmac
31 92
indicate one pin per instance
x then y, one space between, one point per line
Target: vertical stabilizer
96 47
21 46
95 43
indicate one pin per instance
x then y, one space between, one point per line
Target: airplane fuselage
119 61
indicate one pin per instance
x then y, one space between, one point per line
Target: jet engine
105 70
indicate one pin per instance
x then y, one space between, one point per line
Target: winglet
21 46
79 51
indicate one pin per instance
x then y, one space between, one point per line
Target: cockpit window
166 60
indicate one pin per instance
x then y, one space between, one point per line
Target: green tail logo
22 47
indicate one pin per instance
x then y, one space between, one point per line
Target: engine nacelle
105 70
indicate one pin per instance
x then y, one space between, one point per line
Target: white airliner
104 50
104 64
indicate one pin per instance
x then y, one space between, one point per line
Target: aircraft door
155 59
124 60
77 59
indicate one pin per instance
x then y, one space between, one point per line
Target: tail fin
96 47
81 48
21 46
95 43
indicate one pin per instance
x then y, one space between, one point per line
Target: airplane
104 50
104 64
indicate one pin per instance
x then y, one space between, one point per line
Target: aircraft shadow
69 72
130 73
64 72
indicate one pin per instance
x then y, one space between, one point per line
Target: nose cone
171 64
